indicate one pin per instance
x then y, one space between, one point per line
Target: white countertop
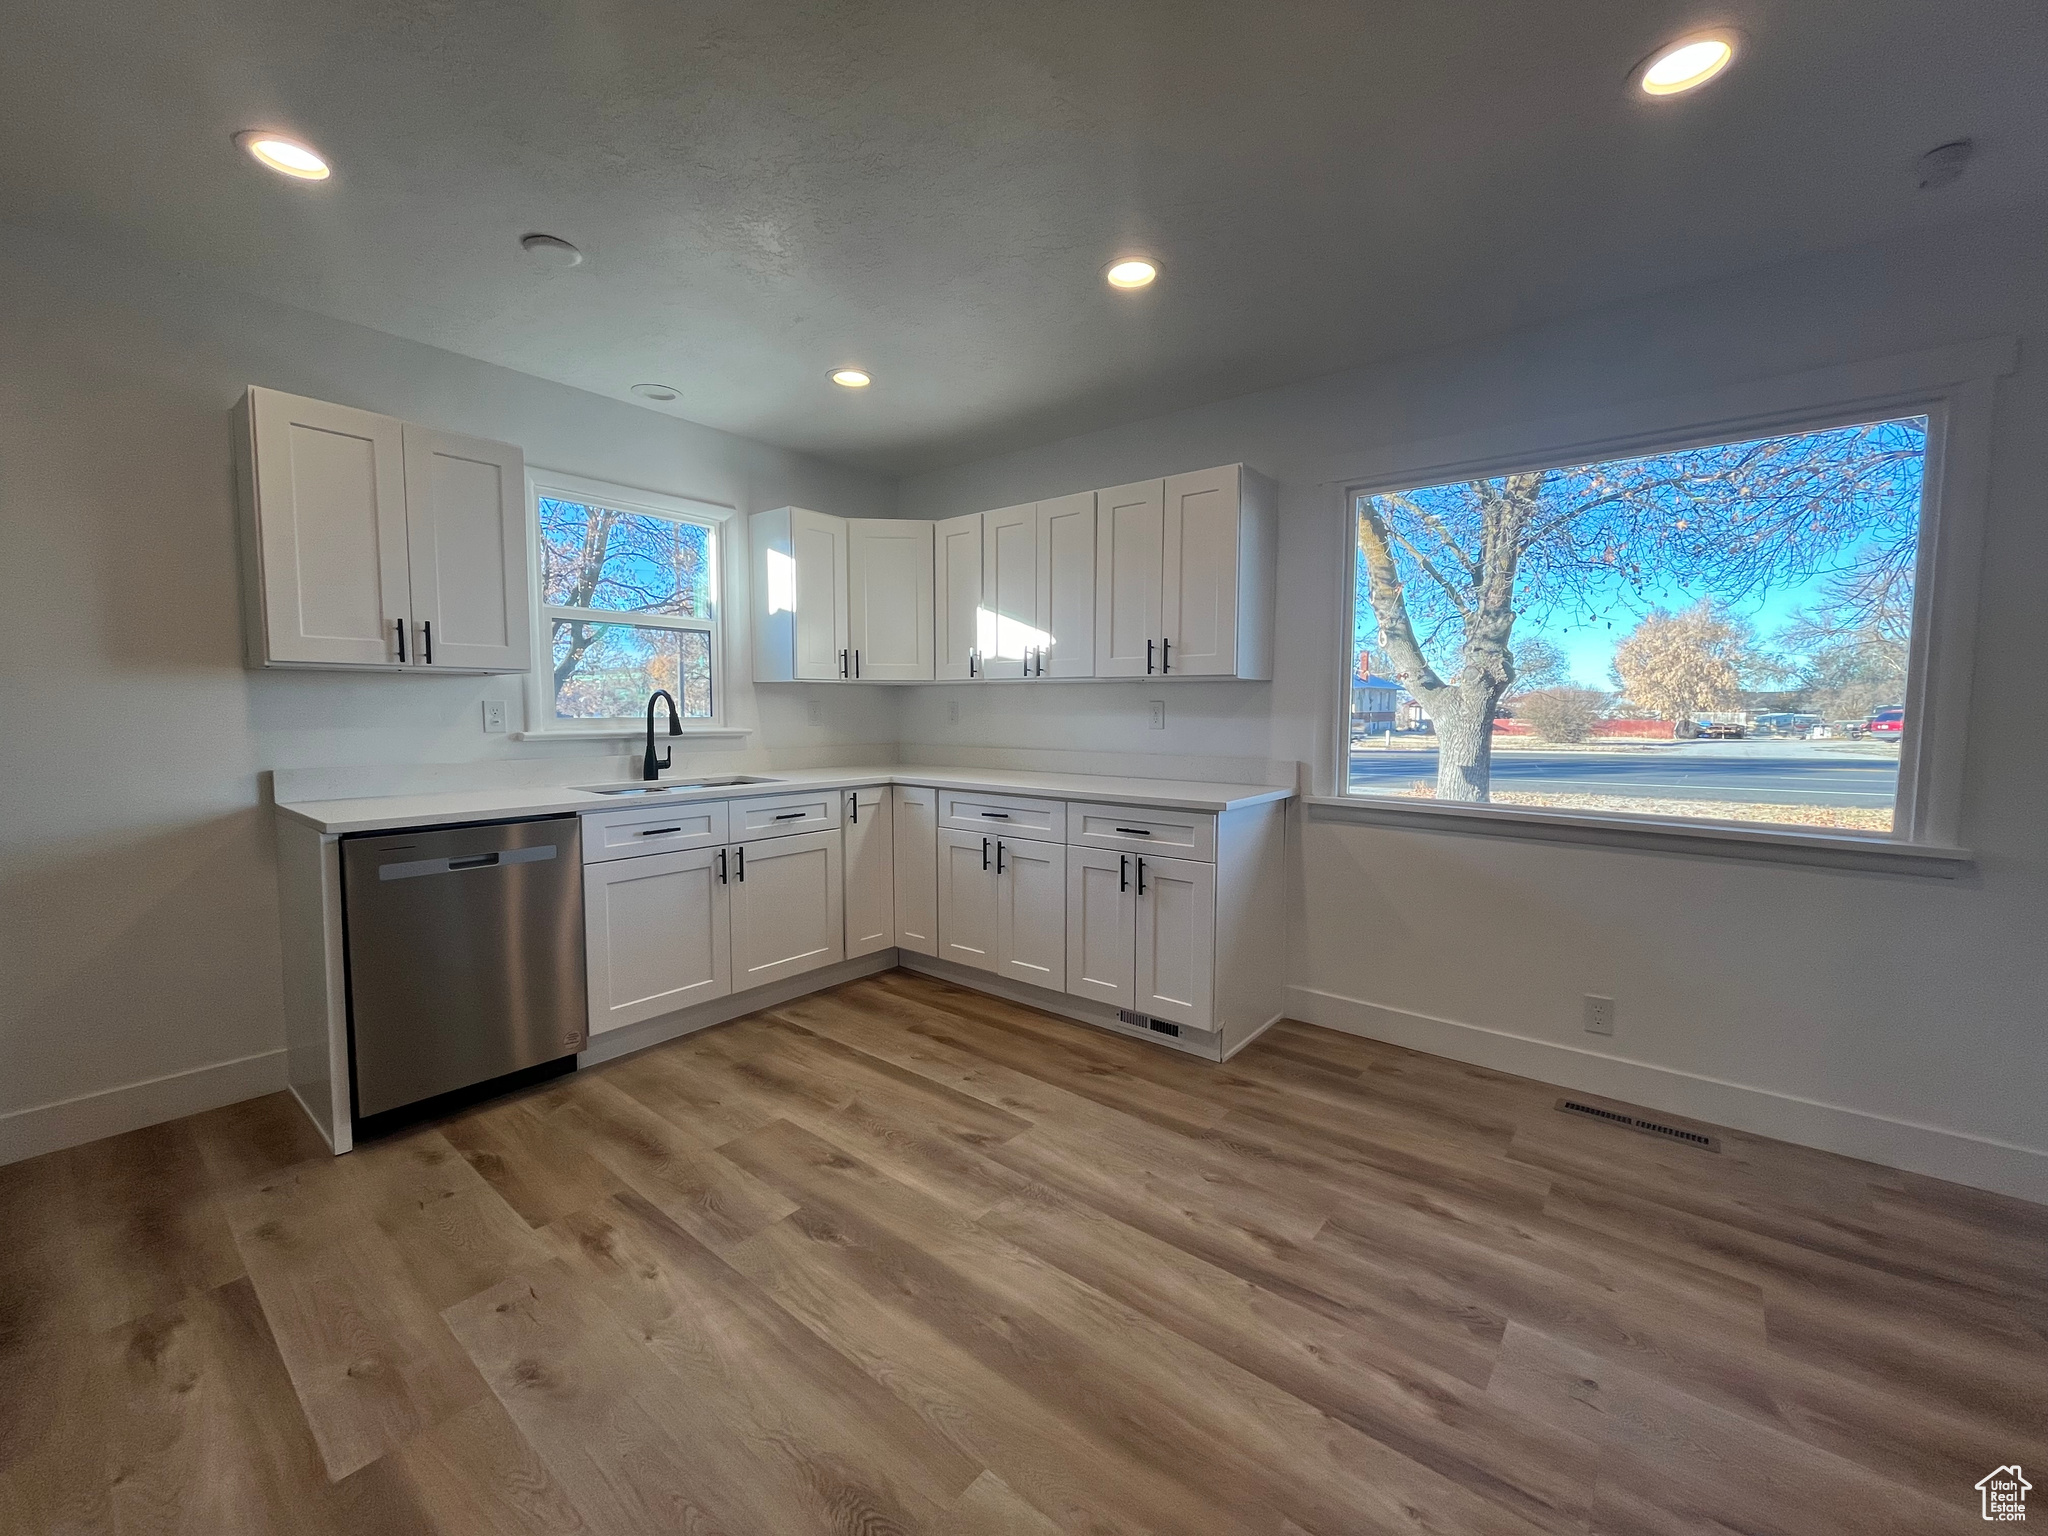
445 807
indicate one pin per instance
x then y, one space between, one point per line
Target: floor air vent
1621 1114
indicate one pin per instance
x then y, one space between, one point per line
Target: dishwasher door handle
412 869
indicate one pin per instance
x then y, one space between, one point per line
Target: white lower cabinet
870 870
1102 933
1031 911
656 935
967 899
788 907
916 831
1175 973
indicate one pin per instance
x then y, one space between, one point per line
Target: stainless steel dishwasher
465 961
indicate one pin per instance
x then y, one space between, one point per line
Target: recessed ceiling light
1687 64
288 157
659 392
851 378
550 251
1131 272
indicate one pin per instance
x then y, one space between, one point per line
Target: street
1767 772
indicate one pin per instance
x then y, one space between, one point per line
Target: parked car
1886 724
1720 730
1794 725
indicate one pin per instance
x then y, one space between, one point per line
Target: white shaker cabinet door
1066 586
788 907
466 542
870 870
655 933
1009 633
1031 912
889 599
967 899
1130 561
326 517
1102 908
956 596
1176 940
818 579
1199 598
917 868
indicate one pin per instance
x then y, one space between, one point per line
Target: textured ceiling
765 188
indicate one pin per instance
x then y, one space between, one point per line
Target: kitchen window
629 603
1756 634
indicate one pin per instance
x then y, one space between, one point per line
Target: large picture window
1718 632
628 602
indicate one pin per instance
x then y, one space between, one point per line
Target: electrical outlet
952 711
814 712
494 717
1599 1015
1159 714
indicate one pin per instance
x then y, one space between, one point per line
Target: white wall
138 926
1894 1017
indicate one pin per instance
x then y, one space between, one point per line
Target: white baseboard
1978 1161
614 1043
26 1133
1205 1043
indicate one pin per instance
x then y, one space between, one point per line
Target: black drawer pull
1135 831
998 815
790 815
659 831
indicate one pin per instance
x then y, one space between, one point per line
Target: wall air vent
1639 1120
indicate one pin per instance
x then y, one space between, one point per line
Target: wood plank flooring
901 1257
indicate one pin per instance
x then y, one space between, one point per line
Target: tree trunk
1464 744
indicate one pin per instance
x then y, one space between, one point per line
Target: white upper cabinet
1130 564
889 599
1009 637
465 504
1184 576
1066 586
360 531
956 582
800 596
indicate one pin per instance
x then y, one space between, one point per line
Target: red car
1886 725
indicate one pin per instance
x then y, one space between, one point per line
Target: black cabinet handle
1148 658
1135 831
999 855
853 805
997 815
1141 877
739 856
1166 656
659 831
845 663
429 627
856 663
399 625
1123 871
974 663
721 867
984 853
790 815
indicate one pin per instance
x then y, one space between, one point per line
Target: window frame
717 517
1952 386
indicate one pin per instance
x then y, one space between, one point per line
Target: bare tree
1677 665
1849 650
1562 714
597 558
1448 570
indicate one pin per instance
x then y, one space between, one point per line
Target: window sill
633 733
1825 850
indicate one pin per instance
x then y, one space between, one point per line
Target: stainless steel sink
670 786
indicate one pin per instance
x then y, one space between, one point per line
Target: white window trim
1953 386
541 724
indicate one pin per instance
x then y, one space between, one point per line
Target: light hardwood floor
903 1257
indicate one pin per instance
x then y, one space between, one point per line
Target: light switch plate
494 717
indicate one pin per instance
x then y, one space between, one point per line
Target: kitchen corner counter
380 813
